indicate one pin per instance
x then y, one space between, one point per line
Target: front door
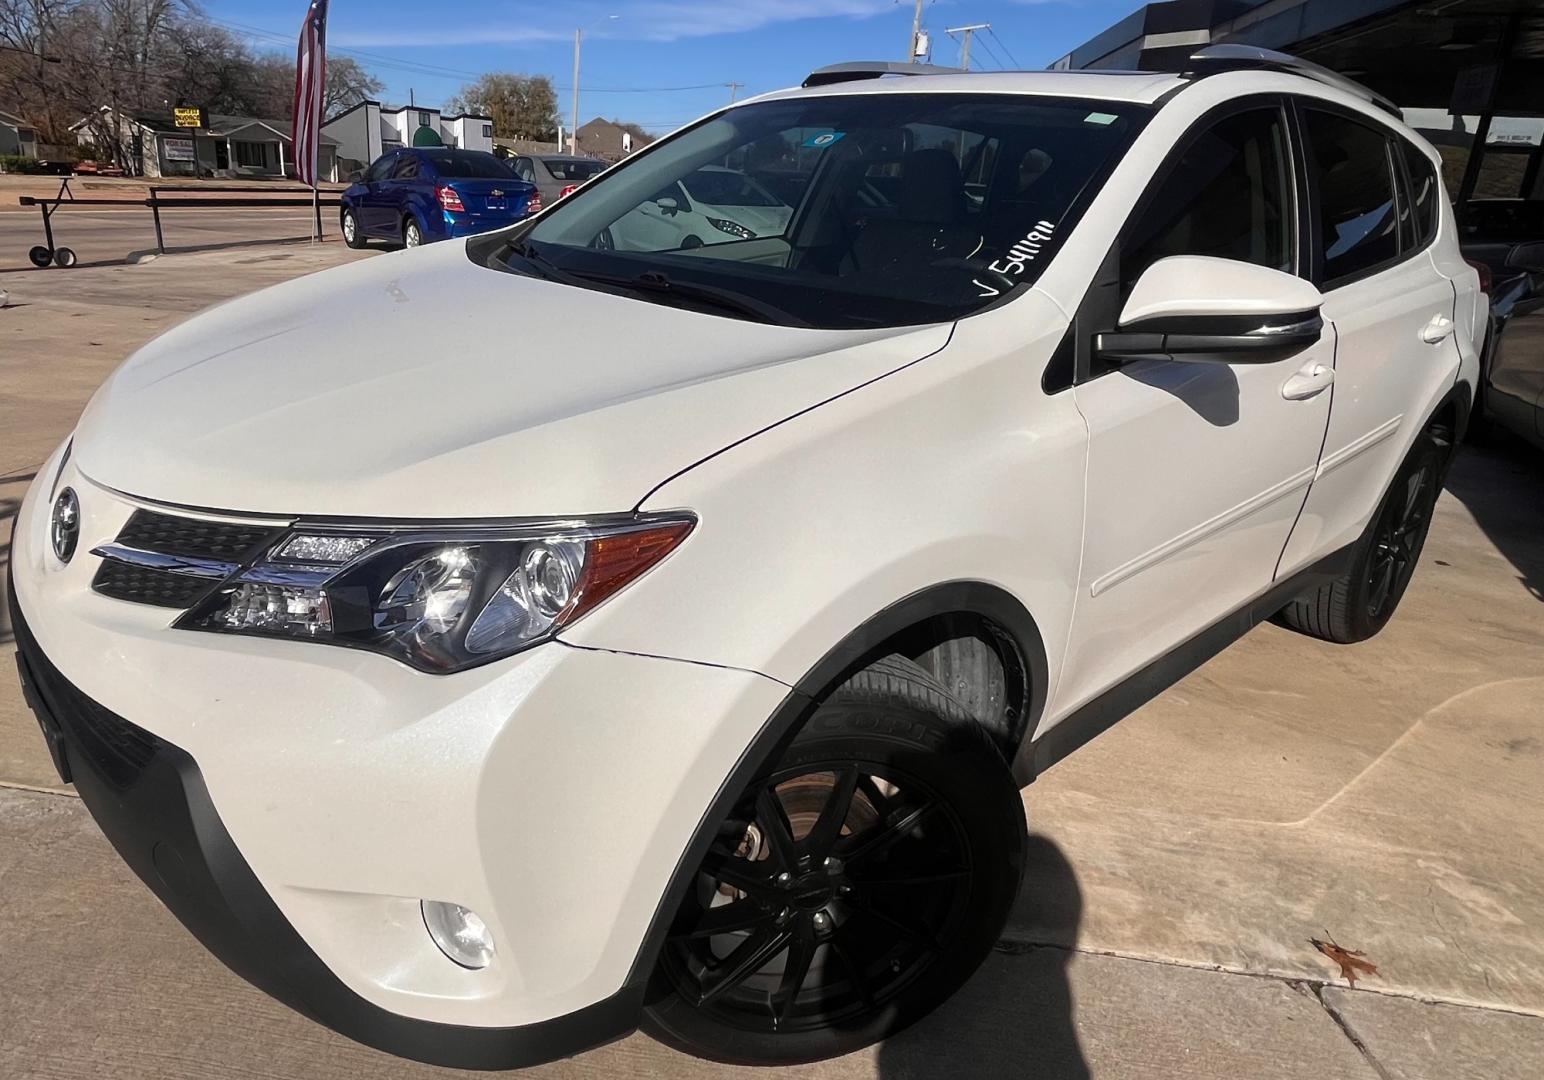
1196 471
374 211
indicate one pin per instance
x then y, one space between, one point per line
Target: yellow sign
189 117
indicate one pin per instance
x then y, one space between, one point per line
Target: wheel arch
1449 417
973 603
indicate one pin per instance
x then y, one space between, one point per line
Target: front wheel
352 236
855 887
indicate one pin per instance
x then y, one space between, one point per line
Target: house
17 138
238 147
608 141
366 131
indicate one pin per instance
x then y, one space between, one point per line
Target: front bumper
149 799
292 803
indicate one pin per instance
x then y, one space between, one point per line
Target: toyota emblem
64 529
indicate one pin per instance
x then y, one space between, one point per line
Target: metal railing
157 200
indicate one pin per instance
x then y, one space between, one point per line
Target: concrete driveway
1388 795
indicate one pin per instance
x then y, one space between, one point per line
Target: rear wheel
412 235
352 236
1358 605
857 884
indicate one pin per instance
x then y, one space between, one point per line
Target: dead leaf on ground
1351 962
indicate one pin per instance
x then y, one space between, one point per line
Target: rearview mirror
1207 310
1528 257
356 176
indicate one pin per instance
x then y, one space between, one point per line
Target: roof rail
1218 58
872 69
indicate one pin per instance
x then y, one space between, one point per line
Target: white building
367 130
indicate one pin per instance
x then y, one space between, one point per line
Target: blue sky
433 48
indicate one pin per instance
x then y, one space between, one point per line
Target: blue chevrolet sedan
418 195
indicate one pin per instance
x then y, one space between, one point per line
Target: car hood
421 385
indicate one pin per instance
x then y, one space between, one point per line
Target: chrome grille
169 561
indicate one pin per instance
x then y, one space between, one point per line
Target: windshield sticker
823 140
1100 118
1019 255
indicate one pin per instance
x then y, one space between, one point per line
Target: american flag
310 90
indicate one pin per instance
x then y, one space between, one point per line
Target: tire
64 258
412 235
812 931
1359 604
353 236
40 256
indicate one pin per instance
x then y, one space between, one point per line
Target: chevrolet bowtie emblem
497 193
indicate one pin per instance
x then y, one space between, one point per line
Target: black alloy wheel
1360 603
855 886
1398 537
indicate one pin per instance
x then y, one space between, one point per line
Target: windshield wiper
652 285
657 283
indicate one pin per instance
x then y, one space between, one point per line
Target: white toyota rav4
492 648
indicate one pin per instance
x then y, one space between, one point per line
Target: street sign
190 117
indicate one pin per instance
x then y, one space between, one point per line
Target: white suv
678 659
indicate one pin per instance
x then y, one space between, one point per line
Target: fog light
459 933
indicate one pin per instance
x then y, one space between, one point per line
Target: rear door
1393 313
1196 471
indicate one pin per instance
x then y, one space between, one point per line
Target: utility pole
916 34
965 45
734 89
573 127
579 40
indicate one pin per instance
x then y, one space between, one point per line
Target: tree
348 84
522 106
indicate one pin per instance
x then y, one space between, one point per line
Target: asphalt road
103 236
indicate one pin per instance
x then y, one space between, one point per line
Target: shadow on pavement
1502 484
1014 1018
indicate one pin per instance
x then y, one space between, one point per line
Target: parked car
712 205
678 660
418 195
1504 239
555 175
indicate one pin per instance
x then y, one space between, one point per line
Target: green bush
15 163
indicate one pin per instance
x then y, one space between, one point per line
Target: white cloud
650 20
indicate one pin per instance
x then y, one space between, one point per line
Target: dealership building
366 131
1467 73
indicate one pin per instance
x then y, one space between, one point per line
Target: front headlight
441 600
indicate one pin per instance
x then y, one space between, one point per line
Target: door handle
1438 330
1307 381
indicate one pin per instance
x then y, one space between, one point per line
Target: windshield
468 165
572 169
726 187
844 211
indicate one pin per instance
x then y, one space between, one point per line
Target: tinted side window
1350 170
1229 195
407 168
381 169
1424 192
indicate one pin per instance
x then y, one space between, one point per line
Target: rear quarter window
1353 178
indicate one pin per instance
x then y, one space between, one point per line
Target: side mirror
1528 257
1206 310
668 206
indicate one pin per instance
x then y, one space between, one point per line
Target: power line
986 43
1004 44
413 67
